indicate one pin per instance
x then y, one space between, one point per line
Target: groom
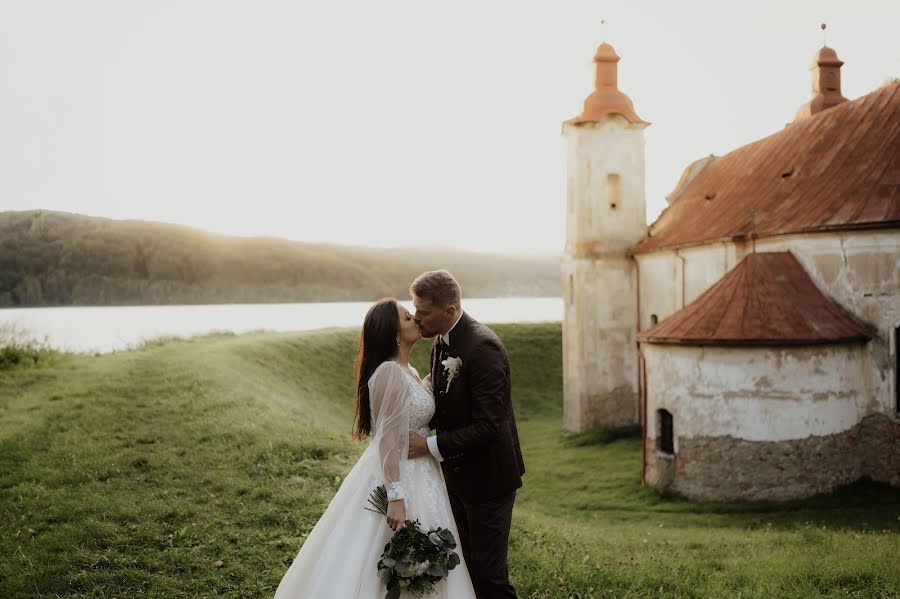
476 442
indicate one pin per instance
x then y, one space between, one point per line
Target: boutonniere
451 369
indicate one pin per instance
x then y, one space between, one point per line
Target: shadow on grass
601 436
864 505
598 472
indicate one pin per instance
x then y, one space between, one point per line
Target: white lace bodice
421 406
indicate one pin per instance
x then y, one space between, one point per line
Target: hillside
196 469
60 259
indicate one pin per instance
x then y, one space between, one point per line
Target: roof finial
824 26
606 99
826 83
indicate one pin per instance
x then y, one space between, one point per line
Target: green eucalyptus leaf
447 536
411 546
378 499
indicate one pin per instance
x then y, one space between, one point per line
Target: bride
340 554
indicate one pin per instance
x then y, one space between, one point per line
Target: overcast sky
388 123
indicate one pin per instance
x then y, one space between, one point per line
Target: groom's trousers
484 536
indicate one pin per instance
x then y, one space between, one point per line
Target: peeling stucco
716 391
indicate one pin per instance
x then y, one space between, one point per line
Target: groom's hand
417 446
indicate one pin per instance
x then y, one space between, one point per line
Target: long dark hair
377 343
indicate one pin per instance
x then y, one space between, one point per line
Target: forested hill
60 259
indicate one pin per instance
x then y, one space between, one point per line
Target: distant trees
58 259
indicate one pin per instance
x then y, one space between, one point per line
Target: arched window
653 319
665 438
571 289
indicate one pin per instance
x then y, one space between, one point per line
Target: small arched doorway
665 450
665 437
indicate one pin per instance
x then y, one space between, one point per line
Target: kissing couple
463 478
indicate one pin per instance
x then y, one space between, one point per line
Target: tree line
59 259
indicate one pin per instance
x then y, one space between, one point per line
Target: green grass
196 468
18 349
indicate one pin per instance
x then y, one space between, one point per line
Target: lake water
105 329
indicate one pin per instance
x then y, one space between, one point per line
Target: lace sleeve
389 399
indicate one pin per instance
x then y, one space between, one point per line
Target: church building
753 328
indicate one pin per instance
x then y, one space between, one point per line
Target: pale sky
389 123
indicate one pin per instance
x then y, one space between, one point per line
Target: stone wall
755 423
881 449
728 469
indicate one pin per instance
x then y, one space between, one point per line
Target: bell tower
826 83
605 216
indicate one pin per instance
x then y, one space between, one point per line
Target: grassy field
196 468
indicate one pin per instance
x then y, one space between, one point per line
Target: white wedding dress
340 556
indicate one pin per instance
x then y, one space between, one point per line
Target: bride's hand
418 446
396 514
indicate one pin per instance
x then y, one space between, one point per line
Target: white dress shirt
432 440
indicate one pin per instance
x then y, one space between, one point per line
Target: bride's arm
388 398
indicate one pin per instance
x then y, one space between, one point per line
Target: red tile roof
767 299
839 169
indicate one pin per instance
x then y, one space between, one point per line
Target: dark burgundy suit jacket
476 429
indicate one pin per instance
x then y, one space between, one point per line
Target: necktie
443 353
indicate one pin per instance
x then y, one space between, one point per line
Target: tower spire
826 83
606 99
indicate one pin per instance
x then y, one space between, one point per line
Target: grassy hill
196 469
55 258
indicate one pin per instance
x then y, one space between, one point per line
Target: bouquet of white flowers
413 560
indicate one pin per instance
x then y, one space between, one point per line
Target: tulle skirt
340 556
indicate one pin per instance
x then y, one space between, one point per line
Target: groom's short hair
437 286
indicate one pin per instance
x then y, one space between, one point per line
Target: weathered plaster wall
758 394
858 269
605 216
599 378
596 150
